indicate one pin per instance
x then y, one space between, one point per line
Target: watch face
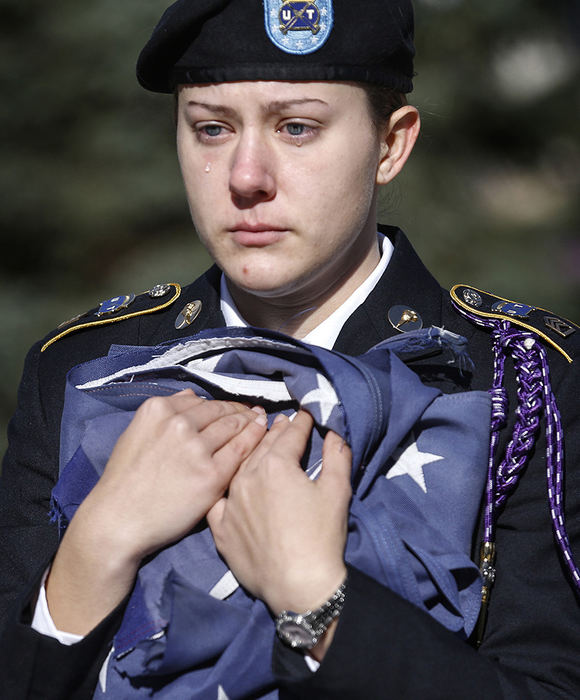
295 635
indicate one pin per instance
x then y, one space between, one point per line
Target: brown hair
382 101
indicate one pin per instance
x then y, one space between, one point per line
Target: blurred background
92 203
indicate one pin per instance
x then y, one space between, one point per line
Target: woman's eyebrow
270 108
281 105
217 109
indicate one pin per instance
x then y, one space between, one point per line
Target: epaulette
119 308
517 331
553 329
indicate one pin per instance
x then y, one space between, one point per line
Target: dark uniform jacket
383 647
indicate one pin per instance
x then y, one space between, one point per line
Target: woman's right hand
170 466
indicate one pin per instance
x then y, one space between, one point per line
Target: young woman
289 117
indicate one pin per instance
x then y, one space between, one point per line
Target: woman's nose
252 170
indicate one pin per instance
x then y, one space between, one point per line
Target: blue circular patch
298 26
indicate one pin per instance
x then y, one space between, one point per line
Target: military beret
209 41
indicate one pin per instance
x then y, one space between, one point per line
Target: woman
282 146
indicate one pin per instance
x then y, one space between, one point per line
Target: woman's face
281 183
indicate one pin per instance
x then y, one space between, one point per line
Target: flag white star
411 462
324 395
222 694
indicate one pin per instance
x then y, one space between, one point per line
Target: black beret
214 41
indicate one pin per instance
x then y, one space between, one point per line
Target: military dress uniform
383 647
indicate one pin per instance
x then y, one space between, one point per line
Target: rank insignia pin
404 319
110 306
188 314
559 326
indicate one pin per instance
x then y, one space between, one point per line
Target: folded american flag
419 466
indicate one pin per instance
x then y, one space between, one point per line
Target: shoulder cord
535 398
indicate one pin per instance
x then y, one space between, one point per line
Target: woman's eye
209 133
296 129
212 130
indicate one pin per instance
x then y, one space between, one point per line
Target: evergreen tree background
93 205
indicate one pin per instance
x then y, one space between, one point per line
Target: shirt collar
326 333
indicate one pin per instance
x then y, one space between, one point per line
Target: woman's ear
397 140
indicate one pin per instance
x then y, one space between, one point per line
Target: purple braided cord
530 405
498 420
555 470
535 397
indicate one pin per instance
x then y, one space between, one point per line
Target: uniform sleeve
38 666
29 471
386 647
34 665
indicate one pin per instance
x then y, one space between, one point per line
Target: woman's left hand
283 535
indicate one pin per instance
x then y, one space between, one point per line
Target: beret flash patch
298 26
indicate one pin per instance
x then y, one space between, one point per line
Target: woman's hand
170 466
282 534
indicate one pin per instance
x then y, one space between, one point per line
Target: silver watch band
304 630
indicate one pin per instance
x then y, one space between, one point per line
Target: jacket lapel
406 281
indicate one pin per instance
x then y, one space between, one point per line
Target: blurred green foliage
93 204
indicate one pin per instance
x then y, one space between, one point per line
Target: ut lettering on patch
298 26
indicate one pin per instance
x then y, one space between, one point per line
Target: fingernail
261 419
279 418
258 409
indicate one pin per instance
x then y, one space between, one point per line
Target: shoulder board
118 309
554 329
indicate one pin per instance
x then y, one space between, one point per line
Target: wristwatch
304 630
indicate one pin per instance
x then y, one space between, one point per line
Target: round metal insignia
472 297
159 290
404 319
188 314
298 26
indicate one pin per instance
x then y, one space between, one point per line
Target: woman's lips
256 235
